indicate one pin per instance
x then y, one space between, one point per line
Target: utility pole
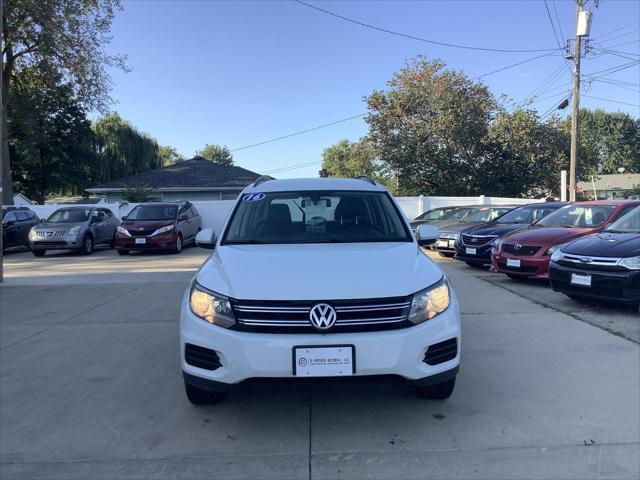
575 107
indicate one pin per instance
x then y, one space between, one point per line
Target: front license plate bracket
324 360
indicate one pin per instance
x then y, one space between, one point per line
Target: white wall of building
215 212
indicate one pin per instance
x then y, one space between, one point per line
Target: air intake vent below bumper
201 357
441 352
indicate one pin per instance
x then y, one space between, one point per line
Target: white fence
215 212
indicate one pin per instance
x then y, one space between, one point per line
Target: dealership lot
90 387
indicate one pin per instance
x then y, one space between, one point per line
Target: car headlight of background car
74 230
556 255
166 228
495 245
123 231
632 263
211 307
430 302
554 248
33 234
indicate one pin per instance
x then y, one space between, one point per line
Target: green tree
122 150
69 36
608 141
428 128
169 155
217 154
350 159
50 137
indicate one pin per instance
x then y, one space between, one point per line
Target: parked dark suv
158 226
16 223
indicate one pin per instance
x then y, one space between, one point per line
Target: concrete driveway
90 387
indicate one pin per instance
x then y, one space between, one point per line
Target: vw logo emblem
586 259
517 246
322 316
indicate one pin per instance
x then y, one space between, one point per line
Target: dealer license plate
513 262
471 251
443 243
335 361
141 241
584 280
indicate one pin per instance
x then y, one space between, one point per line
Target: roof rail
365 178
262 179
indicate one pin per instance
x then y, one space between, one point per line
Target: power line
299 133
413 37
618 68
621 35
513 65
293 167
555 34
613 101
616 30
555 10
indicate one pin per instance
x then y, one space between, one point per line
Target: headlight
123 231
164 229
430 302
554 248
632 263
74 230
557 255
33 234
211 307
495 245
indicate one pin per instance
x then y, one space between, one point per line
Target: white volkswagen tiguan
318 278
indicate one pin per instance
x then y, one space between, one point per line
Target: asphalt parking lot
90 387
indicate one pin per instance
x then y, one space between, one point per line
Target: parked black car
441 216
604 265
449 233
16 223
474 244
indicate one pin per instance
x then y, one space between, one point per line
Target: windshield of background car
316 217
589 216
628 223
486 214
69 215
442 214
526 215
153 212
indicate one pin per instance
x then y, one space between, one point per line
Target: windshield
486 214
577 216
628 223
316 217
444 213
526 215
70 215
153 212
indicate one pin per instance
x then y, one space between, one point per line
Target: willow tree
69 36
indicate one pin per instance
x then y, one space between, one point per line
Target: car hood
606 245
59 226
318 271
495 229
546 235
145 225
433 223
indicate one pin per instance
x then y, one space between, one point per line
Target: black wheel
440 391
198 396
178 247
38 253
446 254
123 252
515 277
87 245
474 265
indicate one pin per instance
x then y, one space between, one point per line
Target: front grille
293 316
477 240
591 263
49 233
141 233
523 250
201 357
441 352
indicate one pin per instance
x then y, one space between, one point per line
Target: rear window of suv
316 217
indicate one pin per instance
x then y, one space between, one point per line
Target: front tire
440 391
178 247
38 253
198 396
87 245
446 254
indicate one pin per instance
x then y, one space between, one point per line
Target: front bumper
623 286
55 243
481 257
537 267
245 355
163 241
444 245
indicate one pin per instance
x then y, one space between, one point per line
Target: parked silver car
74 228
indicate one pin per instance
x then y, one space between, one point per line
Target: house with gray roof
194 179
609 187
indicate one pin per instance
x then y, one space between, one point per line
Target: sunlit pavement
90 387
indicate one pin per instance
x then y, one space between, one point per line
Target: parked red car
158 226
526 252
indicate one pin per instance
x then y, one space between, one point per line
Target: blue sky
239 72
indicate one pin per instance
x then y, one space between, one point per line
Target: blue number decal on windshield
253 197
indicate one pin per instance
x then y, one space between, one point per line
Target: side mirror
426 235
123 218
184 217
206 238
